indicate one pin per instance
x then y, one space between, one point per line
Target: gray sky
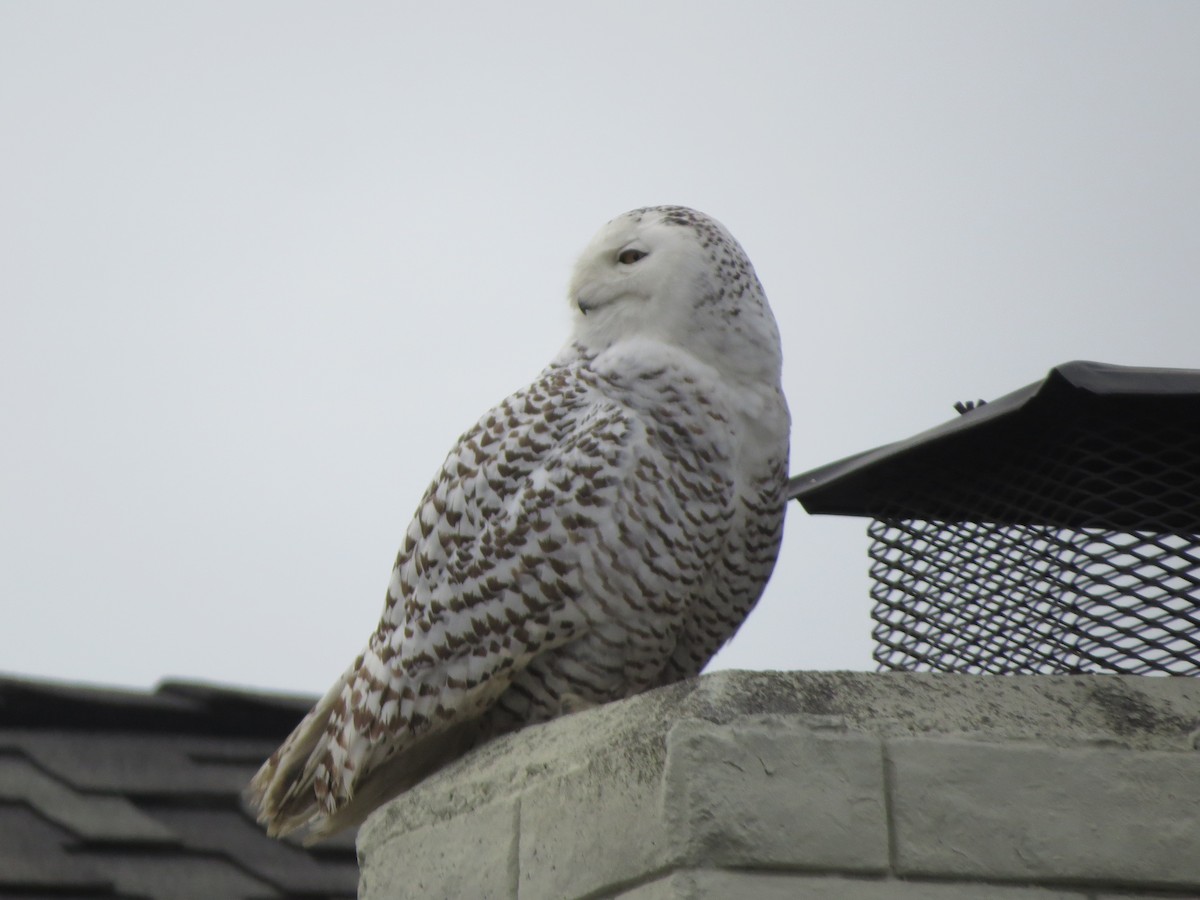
263 262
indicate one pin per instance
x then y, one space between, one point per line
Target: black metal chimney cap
1092 445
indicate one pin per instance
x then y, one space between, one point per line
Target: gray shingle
128 795
32 855
231 835
102 762
180 877
130 763
89 816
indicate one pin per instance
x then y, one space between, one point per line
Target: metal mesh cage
1000 599
1056 532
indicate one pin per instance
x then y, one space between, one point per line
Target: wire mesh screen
1002 599
1077 555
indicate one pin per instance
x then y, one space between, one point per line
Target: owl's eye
629 256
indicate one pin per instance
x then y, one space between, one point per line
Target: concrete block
1095 815
734 885
468 857
770 791
1085 782
587 831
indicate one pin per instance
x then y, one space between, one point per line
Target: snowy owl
601 532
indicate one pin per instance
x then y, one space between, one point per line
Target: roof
1091 445
128 794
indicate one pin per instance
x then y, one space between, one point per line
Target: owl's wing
488 578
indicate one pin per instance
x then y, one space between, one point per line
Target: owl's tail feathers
396 773
316 783
294 788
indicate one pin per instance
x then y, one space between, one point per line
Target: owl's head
672 274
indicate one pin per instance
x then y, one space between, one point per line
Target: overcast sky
262 263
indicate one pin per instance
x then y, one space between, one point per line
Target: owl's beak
589 302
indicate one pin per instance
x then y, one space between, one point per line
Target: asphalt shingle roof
127 794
